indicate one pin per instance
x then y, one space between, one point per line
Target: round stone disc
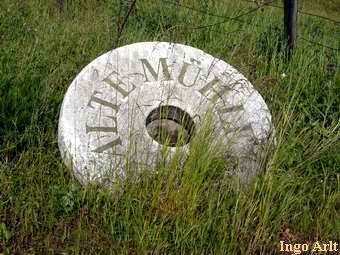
130 102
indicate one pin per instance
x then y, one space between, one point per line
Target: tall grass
192 208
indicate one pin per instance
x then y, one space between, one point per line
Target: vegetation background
44 44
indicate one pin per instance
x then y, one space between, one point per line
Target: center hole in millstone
170 125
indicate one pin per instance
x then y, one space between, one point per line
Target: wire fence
238 18
337 22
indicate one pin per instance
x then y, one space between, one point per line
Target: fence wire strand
226 18
318 44
336 22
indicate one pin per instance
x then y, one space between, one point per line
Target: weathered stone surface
110 110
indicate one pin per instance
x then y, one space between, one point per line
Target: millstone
132 101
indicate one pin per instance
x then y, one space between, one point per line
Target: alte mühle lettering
212 90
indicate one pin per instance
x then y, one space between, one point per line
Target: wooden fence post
290 23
